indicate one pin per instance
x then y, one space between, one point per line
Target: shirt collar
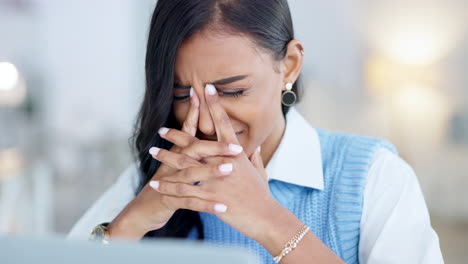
298 158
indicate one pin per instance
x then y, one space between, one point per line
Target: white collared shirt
395 225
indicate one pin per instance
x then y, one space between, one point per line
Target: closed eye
232 94
221 93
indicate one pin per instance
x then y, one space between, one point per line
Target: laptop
57 250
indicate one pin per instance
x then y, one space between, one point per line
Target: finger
179 189
257 162
221 120
195 174
213 160
193 203
190 125
173 160
196 148
204 148
164 169
177 137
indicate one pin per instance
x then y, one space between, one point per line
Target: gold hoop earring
288 97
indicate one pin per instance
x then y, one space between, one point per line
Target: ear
291 64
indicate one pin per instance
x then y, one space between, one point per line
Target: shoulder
394 209
109 204
388 166
389 178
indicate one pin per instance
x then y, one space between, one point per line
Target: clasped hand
230 184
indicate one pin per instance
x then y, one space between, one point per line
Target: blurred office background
71 81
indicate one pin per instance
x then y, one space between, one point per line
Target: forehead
206 56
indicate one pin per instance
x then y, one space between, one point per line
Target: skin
256 113
211 123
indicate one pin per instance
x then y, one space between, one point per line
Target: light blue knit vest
333 214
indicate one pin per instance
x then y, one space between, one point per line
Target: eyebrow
218 82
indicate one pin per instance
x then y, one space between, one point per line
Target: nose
205 122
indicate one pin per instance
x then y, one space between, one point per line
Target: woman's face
247 83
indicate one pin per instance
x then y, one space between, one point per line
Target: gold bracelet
292 244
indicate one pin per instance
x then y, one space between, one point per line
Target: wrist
280 227
136 219
125 227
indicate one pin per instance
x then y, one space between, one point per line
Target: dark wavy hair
267 23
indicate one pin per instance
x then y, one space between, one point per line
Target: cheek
260 122
264 116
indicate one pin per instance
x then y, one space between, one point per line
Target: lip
214 138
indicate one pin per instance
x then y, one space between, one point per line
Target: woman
221 79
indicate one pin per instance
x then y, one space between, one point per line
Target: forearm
281 227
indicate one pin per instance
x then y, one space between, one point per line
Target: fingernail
259 149
191 91
225 168
154 151
210 89
235 148
163 131
220 208
154 184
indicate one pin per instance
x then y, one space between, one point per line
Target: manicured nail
220 208
163 131
210 89
154 151
154 184
235 148
259 149
191 91
225 169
